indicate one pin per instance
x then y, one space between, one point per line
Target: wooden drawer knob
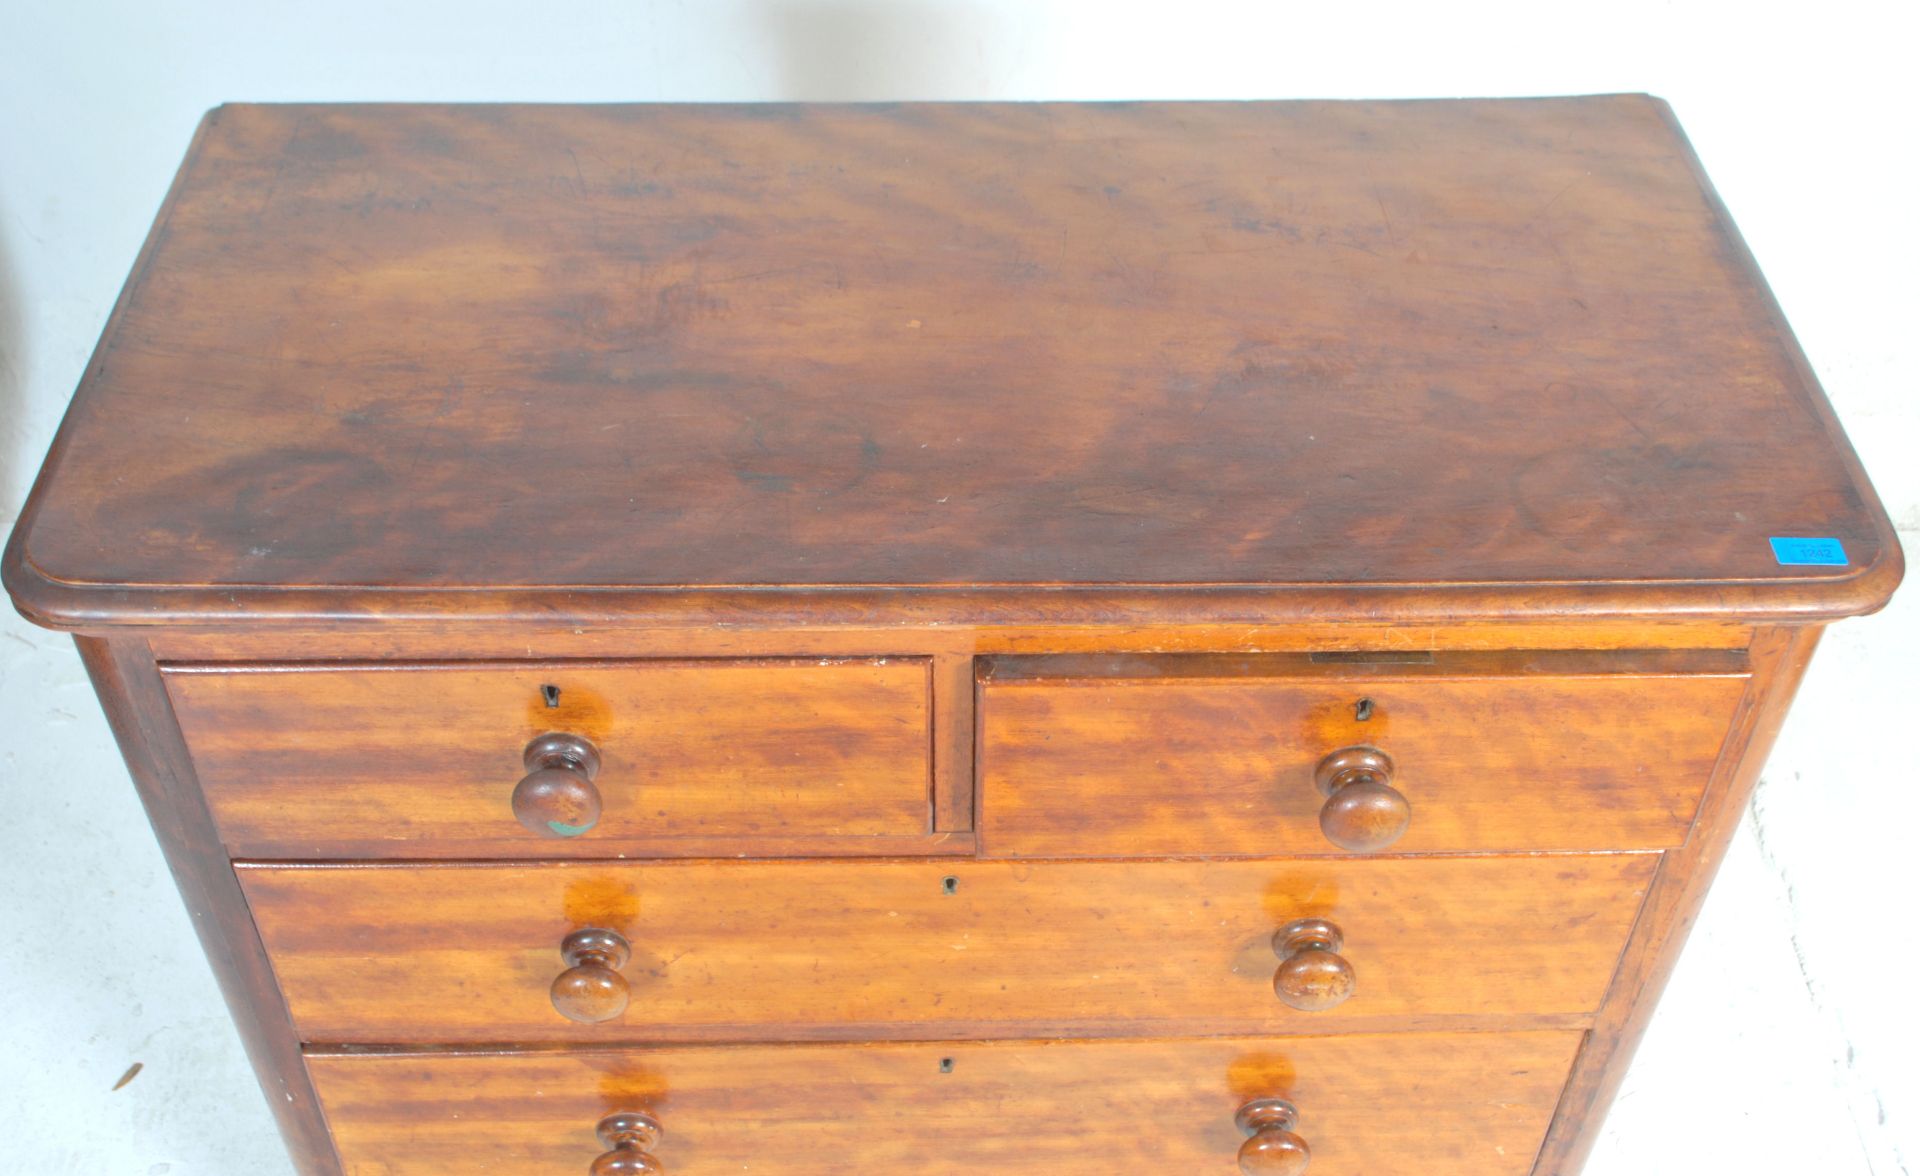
1312 975
1271 1149
592 989
630 1137
1364 811
557 798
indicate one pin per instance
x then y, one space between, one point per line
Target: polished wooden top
1199 360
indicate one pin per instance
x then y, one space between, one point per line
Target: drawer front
717 757
1506 753
1431 1104
749 951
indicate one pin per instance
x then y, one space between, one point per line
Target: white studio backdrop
1786 1043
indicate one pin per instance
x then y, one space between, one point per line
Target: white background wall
1787 1041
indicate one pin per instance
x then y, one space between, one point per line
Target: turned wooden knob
592 989
1271 1149
1364 812
1312 975
630 1137
557 798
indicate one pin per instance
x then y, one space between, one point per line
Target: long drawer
748 951
1422 1104
1220 755
690 757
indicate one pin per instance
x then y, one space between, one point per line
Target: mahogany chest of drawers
1013 638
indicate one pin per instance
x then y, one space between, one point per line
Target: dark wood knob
592 989
1312 974
630 1137
557 798
1271 1149
1364 812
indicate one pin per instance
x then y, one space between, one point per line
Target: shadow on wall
15 462
882 50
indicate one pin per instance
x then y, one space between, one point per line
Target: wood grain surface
1107 756
1470 1104
372 638
128 683
875 487
421 761
1438 358
749 951
1673 902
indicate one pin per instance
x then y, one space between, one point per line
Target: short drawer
751 951
1438 1104
693 757
1204 755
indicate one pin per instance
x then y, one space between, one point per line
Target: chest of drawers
1017 638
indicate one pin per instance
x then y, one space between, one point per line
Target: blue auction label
1808 552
